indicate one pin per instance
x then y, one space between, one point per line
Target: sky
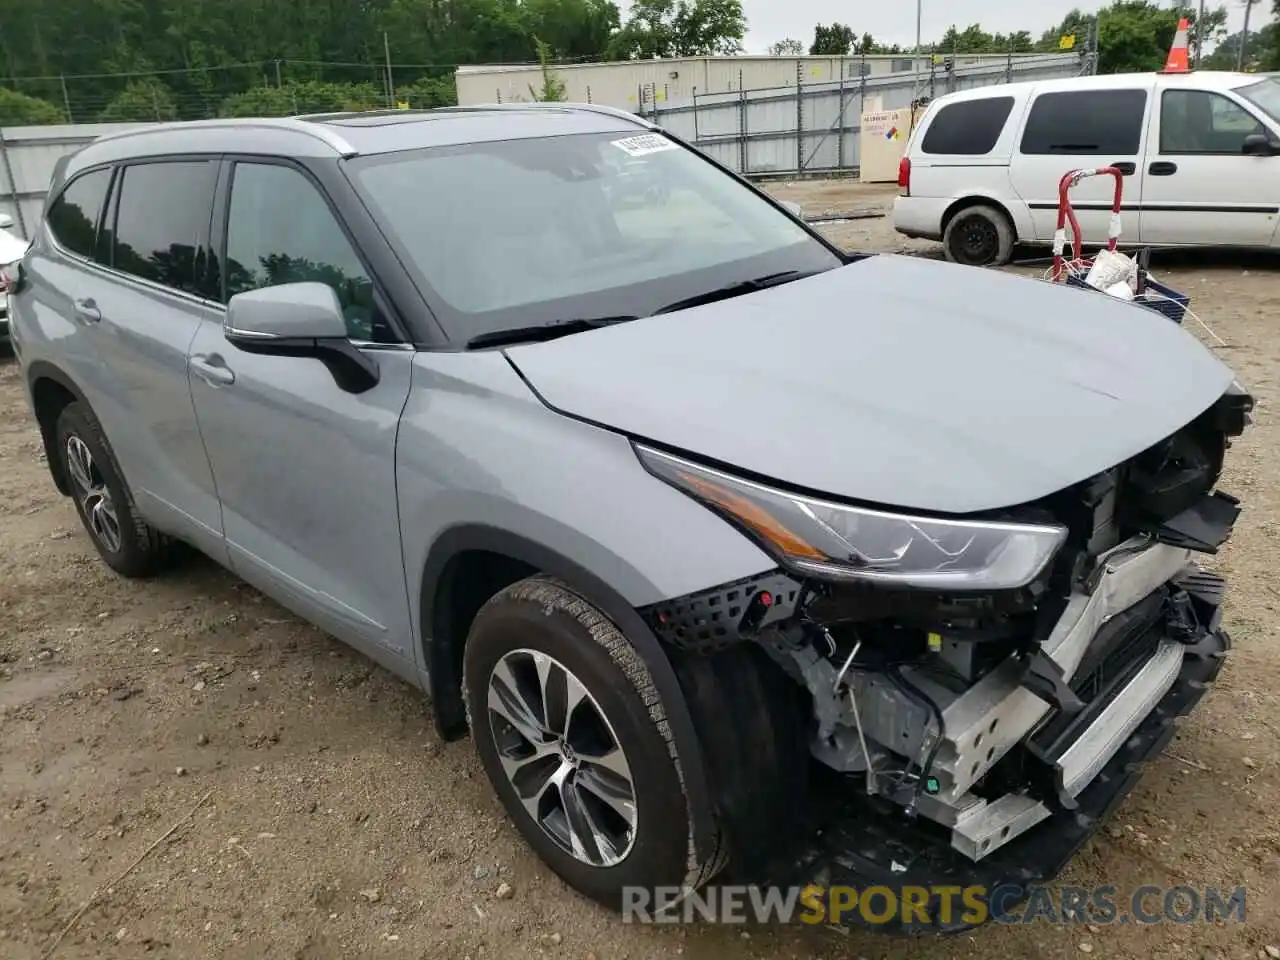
894 21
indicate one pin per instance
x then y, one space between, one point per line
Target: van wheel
127 544
979 236
573 736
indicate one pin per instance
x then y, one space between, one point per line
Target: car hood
893 380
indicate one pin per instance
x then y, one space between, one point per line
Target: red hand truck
1066 215
1150 294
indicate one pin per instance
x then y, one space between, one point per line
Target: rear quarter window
74 216
969 128
1085 122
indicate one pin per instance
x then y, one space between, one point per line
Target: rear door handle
1162 168
1127 167
212 369
88 311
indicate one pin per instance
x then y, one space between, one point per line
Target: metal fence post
13 185
742 127
799 116
840 122
696 135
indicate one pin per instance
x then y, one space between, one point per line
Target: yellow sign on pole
1068 42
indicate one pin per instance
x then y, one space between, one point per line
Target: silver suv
727 547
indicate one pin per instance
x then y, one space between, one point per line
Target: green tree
140 100
1135 35
552 88
836 40
20 110
786 48
680 28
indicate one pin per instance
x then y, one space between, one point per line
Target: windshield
1265 95
525 232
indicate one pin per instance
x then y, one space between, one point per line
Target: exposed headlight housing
835 541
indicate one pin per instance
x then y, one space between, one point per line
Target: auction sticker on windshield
644 144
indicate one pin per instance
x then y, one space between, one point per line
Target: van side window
162 222
280 230
969 128
1086 122
1196 121
73 218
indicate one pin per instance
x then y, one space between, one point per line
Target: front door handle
1162 168
1127 167
212 369
88 311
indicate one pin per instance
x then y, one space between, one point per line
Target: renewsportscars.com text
838 906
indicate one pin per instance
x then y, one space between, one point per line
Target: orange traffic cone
1180 53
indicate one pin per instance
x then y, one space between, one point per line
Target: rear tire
127 544
979 236
596 790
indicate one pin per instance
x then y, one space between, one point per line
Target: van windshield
1265 95
516 233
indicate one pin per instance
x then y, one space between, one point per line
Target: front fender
482 464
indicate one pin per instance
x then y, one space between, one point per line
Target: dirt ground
337 825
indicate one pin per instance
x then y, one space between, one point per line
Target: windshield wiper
736 289
544 332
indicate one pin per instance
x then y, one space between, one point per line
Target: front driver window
281 230
1196 121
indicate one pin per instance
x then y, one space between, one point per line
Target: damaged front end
989 719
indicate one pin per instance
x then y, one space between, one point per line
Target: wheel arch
979 200
52 390
503 558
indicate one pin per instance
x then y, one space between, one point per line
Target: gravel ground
336 824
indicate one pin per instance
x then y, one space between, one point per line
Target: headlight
835 541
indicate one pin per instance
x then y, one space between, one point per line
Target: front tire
572 734
979 236
127 544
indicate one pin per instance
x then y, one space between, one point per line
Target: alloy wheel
91 493
562 757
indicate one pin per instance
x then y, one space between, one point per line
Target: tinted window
73 217
537 230
162 218
970 127
1086 122
1194 121
281 230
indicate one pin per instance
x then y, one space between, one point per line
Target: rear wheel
979 236
127 543
572 733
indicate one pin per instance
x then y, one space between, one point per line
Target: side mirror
1258 145
6 221
299 320
794 209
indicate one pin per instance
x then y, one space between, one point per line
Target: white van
1200 153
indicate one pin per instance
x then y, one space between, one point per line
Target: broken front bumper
1080 766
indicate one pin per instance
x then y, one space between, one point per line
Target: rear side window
1086 122
73 217
162 222
969 128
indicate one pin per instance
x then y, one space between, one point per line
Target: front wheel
571 731
979 236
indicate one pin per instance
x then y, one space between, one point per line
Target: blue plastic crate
1158 297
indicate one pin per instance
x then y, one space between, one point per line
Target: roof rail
324 134
549 106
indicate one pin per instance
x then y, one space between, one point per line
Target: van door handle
1162 168
1127 167
212 369
88 311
